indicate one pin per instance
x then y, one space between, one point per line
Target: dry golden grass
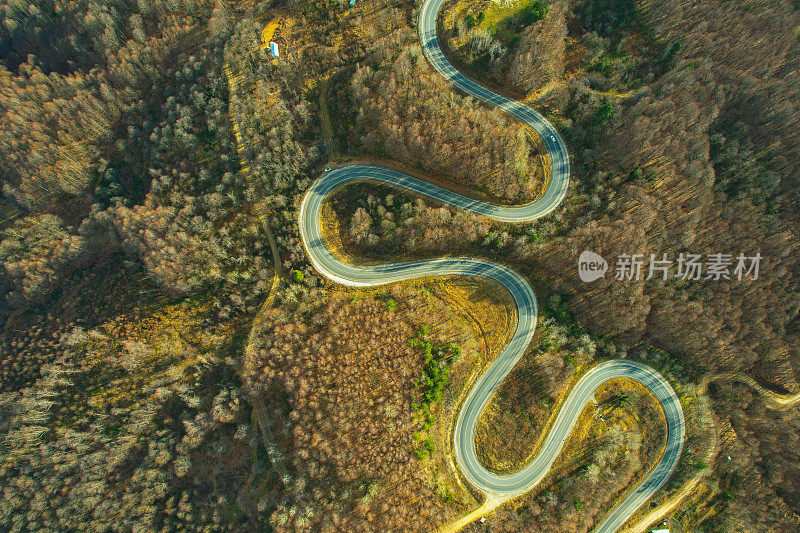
589 427
510 450
485 305
486 311
335 235
160 345
507 440
268 31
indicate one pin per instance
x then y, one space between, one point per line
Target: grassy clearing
485 306
498 14
486 310
131 355
624 425
508 440
503 19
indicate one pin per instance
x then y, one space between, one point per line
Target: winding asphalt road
491 484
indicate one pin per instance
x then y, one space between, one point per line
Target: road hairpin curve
493 485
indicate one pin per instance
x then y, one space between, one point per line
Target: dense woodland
117 138
350 380
403 112
149 150
139 422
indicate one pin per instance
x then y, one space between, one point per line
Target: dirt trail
324 113
776 401
490 504
260 413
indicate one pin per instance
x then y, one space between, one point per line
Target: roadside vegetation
435 376
616 440
516 419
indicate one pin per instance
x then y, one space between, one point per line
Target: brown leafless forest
150 151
